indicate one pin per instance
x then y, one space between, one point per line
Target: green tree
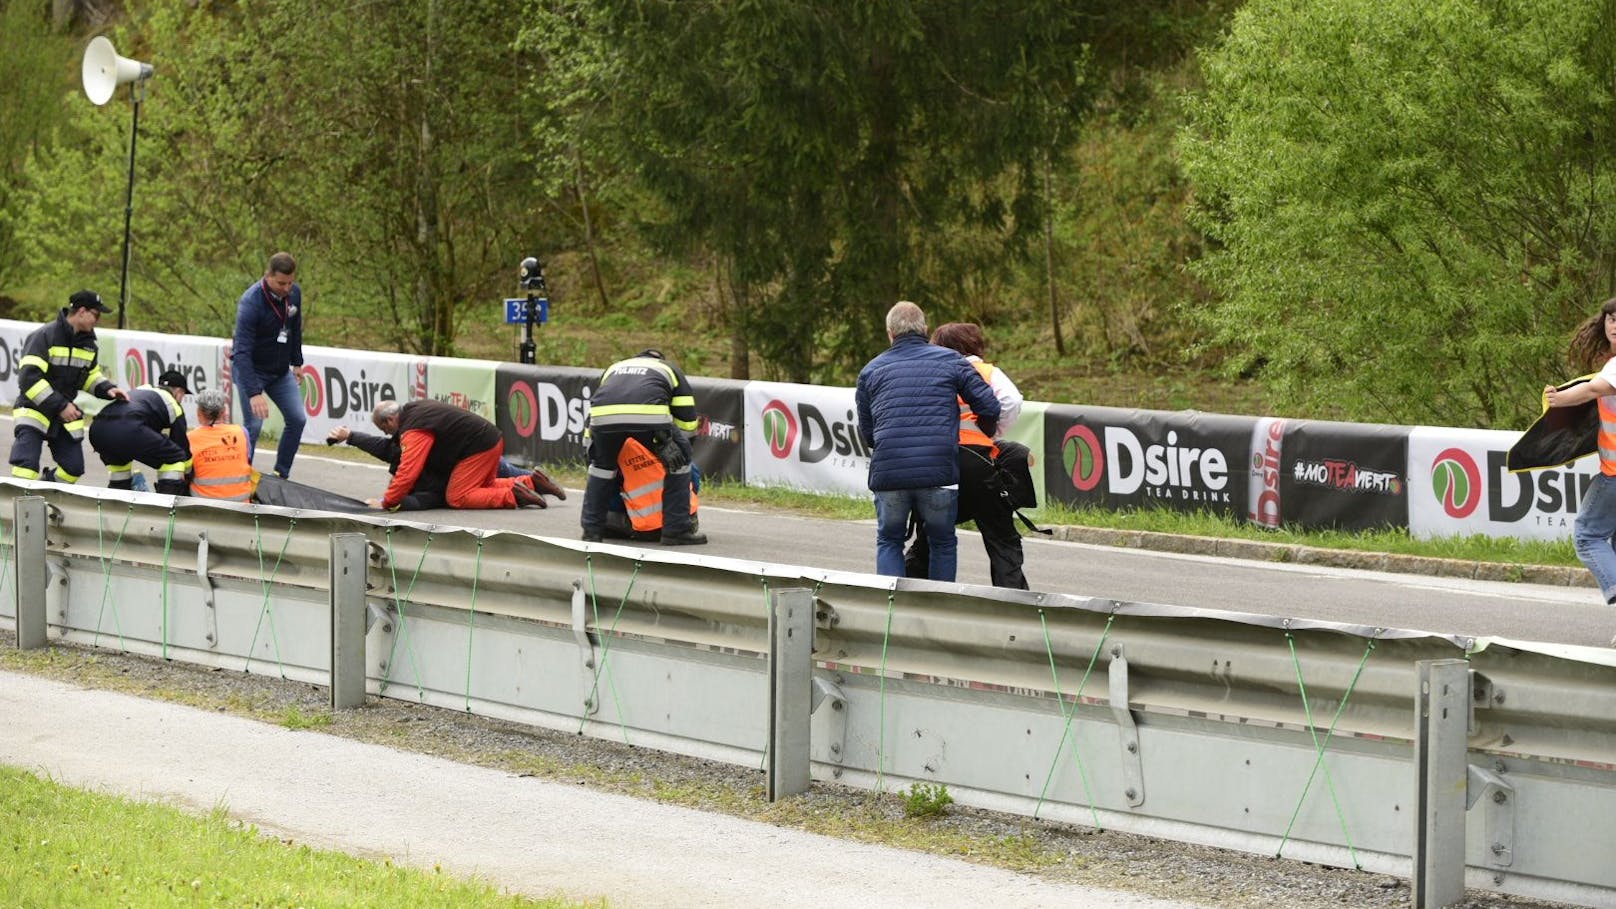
833 157
383 144
1413 203
33 84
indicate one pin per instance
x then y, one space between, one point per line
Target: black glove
671 453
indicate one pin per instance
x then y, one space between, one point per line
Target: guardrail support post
791 639
28 567
1441 775
349 570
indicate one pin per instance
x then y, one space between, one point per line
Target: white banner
1458 486
340 387
804 437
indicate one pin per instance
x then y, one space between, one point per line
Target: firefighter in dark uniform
149 427
647 399
58 362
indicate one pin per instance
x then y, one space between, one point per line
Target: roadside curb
1257 550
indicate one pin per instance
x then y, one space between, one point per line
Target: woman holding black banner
981 495
1593 349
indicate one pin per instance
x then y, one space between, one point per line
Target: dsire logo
1167 471
545 409
332 392
1262 492
10 357
1456 482
1546 497
810 435
779 428
140 368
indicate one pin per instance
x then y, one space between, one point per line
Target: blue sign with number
516 311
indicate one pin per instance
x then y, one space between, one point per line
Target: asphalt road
1567 615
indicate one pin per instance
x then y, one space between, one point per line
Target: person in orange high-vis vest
220 469
978 497
1593 349
643 476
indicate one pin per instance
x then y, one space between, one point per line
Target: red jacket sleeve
415 445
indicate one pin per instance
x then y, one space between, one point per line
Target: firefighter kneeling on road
647 399
149 428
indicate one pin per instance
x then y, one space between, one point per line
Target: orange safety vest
643 475
969 433
1607 435
219 459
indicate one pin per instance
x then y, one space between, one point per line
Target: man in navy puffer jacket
909 415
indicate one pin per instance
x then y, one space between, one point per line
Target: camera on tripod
531 274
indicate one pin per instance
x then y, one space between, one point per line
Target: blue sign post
516 310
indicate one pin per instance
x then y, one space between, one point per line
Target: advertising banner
804 437
467 384
340 387
721 431
1119 458
139 357
12 335
1350 476
541 409
1459 486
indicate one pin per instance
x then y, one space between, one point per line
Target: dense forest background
1324 208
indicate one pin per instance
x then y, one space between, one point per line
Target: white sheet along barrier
1393 751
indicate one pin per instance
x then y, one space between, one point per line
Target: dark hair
965 337
282 263
1589 348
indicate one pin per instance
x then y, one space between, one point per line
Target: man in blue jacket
909 414
268 344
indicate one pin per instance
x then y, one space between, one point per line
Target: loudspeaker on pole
105 70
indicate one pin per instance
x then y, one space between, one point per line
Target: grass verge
67 847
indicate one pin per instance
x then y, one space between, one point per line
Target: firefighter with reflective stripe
150 428
219 465
1593 349
979 490
647 399
58 361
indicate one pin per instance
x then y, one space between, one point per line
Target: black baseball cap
86 299
173 378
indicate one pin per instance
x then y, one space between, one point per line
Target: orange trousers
474 483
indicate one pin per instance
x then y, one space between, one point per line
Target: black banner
1118 458
719 440
1349 476
541 411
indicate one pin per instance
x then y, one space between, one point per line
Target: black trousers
980 501
120 441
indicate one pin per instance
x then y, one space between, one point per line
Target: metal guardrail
1309 740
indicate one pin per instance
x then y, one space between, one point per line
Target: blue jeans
288 399
934 508
1592 532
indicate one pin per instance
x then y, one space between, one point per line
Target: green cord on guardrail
398 603
268 587
606 647
5 570
1077 698
106 572
881 745
1320 746
168 546
471 620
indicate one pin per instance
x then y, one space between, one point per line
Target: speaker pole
136 92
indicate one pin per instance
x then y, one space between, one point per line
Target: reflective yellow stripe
24 473
32 418
220 481
63 476
39 392
33 360
75 428
613 410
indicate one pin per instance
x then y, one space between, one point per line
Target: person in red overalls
437 438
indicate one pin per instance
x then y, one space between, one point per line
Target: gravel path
540 812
